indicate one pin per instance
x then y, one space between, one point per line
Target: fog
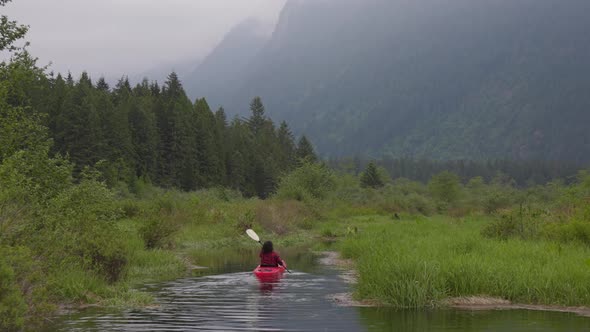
133 37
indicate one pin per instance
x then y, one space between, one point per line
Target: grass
405 259
203 225
418 263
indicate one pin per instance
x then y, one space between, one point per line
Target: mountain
220 70
160 72
442 79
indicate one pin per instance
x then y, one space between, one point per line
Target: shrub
572 231
328 233
445 187
13 221
158 232
419 203
280 216
524 222
82 220
130 208
166 204
245 221
494 201
503 228
12 304
371 177
309 181
31 177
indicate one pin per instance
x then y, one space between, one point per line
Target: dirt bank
348 274
491 303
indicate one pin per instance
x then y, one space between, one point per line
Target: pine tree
286 142
221 118
79 126
102 85
305 150
236 169
257 118
370 177
221 138
70 80
176 125
241 147
120 159
144 132
209 151
58 91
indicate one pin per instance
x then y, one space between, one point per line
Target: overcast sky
115 37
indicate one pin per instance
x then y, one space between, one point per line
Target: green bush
31 177
307 182
445 187
503 228
82 220
524 222
157 232
280 217
12 304
13 221
167 203
572 231
245 221
130 208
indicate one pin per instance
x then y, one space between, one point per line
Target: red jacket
270 259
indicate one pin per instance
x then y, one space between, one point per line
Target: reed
419 263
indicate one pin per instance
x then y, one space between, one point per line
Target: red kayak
264 273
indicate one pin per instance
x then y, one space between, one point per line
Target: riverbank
174 234
349 274
412 247
475 303
428 262
109 244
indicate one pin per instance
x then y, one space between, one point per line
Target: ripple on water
234 302
299 302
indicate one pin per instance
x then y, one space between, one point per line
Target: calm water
231 299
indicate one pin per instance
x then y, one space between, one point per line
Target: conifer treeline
156 134
521 172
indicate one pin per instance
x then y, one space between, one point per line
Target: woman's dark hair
267 247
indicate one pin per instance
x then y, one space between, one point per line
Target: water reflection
466 321
266 288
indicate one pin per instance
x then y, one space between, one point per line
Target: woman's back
268 257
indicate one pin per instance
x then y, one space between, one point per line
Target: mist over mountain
224 68
441 79
160 72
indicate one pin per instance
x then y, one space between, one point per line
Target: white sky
116 37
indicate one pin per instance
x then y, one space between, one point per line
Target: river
227 297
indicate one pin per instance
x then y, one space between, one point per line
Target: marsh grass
419 263
95 246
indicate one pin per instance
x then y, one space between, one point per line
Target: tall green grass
414 264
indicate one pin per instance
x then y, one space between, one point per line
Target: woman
269 258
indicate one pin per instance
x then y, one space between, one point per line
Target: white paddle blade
252 234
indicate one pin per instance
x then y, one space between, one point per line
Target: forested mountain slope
230 59
443 79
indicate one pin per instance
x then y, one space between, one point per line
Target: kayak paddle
252 234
